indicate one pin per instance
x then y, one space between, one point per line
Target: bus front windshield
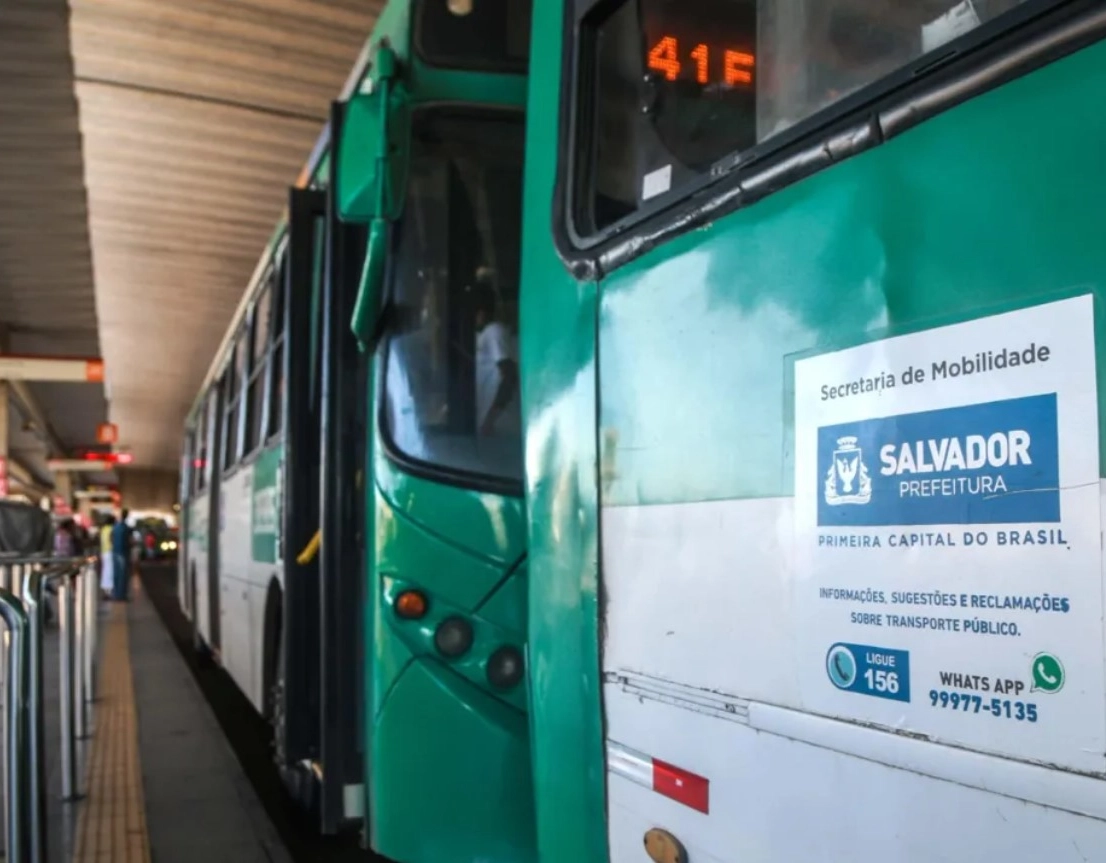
451 392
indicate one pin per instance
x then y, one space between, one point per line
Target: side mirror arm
368 319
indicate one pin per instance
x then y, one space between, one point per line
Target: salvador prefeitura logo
847 480
990 463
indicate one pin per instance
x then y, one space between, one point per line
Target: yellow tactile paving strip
112 823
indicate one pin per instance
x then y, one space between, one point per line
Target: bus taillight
411 604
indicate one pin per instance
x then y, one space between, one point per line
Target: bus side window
613 181
188 470
211 428
199 465
276 356
229 418
255 435
674 93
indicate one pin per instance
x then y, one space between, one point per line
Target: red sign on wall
3 476
107 433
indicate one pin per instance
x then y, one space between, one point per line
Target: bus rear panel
847 310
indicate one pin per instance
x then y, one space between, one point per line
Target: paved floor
112 824
163 784
61 816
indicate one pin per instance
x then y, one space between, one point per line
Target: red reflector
683 787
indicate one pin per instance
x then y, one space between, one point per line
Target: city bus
267 447
355 532
812 295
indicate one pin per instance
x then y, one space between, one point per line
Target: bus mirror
370 291
371 148
359 157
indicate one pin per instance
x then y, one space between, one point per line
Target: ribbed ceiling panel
46 293
196 118
46 299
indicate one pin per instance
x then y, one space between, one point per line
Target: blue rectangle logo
877 671
993 463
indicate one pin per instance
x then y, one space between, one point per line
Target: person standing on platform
107 559
63 540
77 537
121 558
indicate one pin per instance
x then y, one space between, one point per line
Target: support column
5 407
5 464
63 487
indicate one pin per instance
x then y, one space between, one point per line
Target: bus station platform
158 780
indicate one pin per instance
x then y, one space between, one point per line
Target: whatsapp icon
1048 673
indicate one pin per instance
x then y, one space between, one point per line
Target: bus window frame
264 291
188 471
231 387
199 471
225 384
195 459
232 458
212 426
245 344
275 420
260 364
482 68
436 473
933 83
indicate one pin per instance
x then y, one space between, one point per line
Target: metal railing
24 581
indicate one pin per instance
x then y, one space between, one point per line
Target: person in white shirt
497 402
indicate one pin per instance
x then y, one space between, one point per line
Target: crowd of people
111 541
115 557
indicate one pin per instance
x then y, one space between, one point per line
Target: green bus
813 429
261 450
815 556
355 551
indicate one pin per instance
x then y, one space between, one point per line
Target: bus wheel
270 656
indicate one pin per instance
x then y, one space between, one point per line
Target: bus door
297 736
342 371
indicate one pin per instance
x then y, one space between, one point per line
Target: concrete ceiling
196 118
46 286
147 150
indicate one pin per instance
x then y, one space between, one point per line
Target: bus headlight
505 667
453 637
